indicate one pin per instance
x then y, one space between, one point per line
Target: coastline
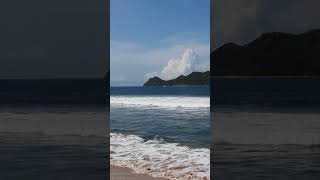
123 173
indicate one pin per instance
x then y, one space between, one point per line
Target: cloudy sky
241 21
164 38
53 38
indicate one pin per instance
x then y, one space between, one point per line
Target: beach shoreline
123 173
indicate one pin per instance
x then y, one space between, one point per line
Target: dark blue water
266 128
162 91
248 94
160 116
53 129
53 93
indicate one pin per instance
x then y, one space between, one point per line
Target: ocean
265 128
54 129
161 131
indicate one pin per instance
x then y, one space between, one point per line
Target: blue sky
148 34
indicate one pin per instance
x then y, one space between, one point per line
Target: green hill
195 78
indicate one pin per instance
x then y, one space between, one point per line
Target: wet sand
122 173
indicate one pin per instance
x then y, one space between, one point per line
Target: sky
164 38
64 39
53 39
241 21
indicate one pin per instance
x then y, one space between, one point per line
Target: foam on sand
158 158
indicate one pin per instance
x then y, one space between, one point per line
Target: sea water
53 129
266 128
161 131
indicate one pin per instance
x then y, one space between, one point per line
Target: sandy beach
122 173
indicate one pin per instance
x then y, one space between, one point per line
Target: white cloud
135 60
184 64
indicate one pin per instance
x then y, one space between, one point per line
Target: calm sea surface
53 129
265 128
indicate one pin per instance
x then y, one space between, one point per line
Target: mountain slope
271 54
195 78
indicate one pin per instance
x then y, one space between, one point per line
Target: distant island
271 54
195 78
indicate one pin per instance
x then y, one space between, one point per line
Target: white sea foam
162 101
158 158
